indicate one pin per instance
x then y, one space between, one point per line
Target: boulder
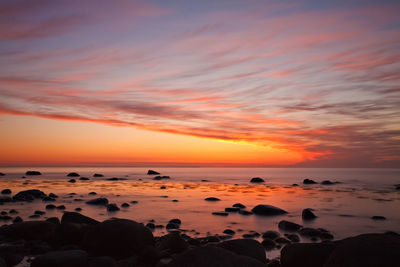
11 254
103 262
84 179
157 178
63 258
6 191
112 207
229 232
366 250
257 180
307 215
245 247
72 181
212 199
101 201
151 172
305 254
309 232
232 209
29 230
270 234
69 234
118 238
309 181
172 243
98 175
289 226
33 173
29 195
239 205
327 182
74 217
268 244
267 210
73 174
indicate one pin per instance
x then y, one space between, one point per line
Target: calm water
345 209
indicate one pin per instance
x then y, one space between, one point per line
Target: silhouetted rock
366 250
6 191
288 226
151 172
92 193
212 199
84 179
17 220
39 212
116 179
52 195
245 247
270 234
118 238
72 181
6 199
379 218
245 212
305 254
175 221
98 175
212 256
31 230
29 195
73 174
2 174
53 220
172 243
62 258
239 205
268 244
50 207
293 237
307 214
257 180
172 226
229 232
220 213
33 173
309 181
125 205
102 201
309 232
48 199
5 218
267 210
74 217
161 178
163 187
327 182
112 207
232 209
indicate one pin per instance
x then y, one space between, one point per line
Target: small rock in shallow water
212 199
98 201
288 226
73 174
257 180
309 181
229 232
6 191
125 205
84 179
157 178
327 182
61 207
50 207
380 218
78 209
270 234
98 175
63 258
239 205
72 181
310 232
267 210
307 214
268 244
33 173
112 207
17 219
39 212
220 213
151 172
245 212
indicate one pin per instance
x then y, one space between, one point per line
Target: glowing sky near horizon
211 82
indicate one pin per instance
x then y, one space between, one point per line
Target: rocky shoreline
78 240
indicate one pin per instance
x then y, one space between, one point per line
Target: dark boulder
245 247
293 237
74 217
157 178
175 221
288 226
305 254
102 201
212 199
125 205
307 215
53 220
33 173
309 232
73 174
267 210
69 234
11 254
6 191
327 182
17 220
30 230
72 181
118 238
366 250
61 207
112 207
29 195
268 244
257 180
270 234
2 174
379 218
98 175
212 256
232 209
245 212
239 205
217 213
309 181
229 232
63 258
50 207
172 243
84 179
151 172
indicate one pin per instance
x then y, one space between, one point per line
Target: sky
216 83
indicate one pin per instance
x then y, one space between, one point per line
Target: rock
175 200
5 218
151 226
74 217
6 199
151 172
98 201
282 240
229 232
270 234
327 182
212 256
48 199
305 254
157 178
232 209
293 237
112 207
245 247
6 191
366 250
239 205
13 211
61 207
30 230
53 220
134 202
52 195
171 242
245 212
103 262
163 187
220 213
84 179
125 205
63 258
33 173
274 263
310 232
307 215
17 220
73 174
175 221
2 174
212 199
50 207
268 244
267 210
257 180
172 226
118 238
39 212
92 193
11 254
78 209
309 181
29 195
98 175
288 226
69 234
116 179
379 218
72 181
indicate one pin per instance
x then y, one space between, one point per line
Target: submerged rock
307 214
29 195
212 199
379 218
84 179
239 205
232 209
267 210
116 179
327 182
6 191
33 173
74 217
72 181
161 178
229 232
257 180
73 174
288 226
220 213
118 238
245 212
151 172
98 201
309 181
98 175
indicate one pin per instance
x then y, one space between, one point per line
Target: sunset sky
224 83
